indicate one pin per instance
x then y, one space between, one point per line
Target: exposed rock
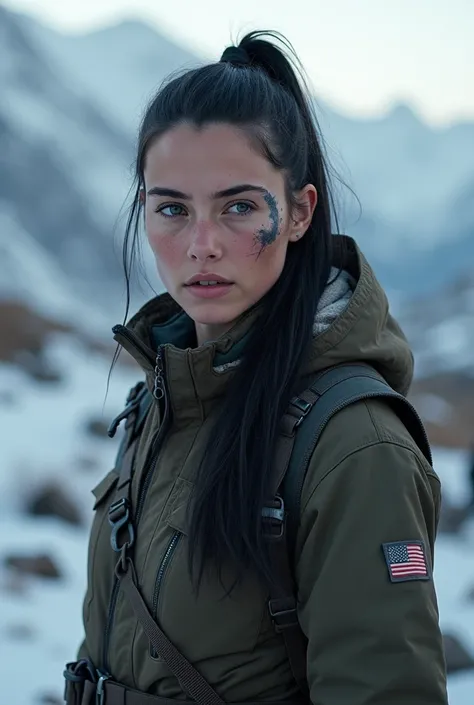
42 566
470 594
51 500
451 390
452 517
20 632
458 657
24 330
86 463
97 427
50 699
37 366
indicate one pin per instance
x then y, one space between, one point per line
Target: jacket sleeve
371 641
82 651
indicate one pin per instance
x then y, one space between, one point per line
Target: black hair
259 89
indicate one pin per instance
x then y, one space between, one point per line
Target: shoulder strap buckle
283 613
273 519
303 408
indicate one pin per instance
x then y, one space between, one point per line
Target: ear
142 196
307 200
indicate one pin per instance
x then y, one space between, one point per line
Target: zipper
160 394
167 558
307 456
108 626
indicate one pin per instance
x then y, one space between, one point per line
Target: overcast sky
361 55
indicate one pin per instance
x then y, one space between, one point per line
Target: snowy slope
57 445
28 273
40 621
440 328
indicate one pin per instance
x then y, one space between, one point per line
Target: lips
208 286
210 279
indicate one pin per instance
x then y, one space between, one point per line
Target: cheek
165 247
263 266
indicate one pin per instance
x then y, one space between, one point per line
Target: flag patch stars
406 560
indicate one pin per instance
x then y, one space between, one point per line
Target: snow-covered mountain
72 107
63 176
410 178
119 67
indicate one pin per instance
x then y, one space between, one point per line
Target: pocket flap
104 487
177 515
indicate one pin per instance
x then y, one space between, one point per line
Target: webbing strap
283 610
190 679
86 691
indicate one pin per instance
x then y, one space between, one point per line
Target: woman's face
216 213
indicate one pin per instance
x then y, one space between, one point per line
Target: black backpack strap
282 603
336 389
302 426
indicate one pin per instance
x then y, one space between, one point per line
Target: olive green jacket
371 641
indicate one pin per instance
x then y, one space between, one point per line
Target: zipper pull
159 387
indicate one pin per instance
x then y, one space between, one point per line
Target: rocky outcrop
40 565
52 501
458 658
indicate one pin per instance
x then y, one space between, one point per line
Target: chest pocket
103 493
104 488
210 621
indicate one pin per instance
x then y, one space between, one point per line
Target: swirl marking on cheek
267 236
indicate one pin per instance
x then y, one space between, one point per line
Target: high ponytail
265 97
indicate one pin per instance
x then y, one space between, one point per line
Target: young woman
233 188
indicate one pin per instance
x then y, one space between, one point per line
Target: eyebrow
226 193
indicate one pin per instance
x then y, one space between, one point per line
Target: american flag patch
406 560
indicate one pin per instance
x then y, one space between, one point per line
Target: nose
205 243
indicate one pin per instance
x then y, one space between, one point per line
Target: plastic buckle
132 403
283 618
274 517
304 407
120 507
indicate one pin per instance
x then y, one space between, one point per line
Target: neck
206 332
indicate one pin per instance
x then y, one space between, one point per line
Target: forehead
218 155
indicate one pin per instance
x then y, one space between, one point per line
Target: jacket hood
364 331
353 324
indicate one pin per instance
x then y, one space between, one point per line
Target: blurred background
394 88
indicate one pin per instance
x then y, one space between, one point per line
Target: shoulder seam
371 416
364 446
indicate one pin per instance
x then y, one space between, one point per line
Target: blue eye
174 210
241 208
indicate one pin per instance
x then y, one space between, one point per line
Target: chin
211 313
